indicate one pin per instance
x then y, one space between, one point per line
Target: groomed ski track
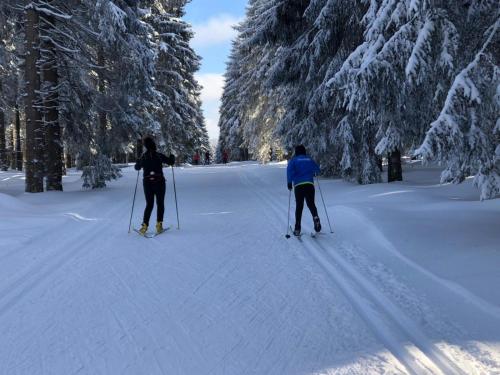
227 294
418 355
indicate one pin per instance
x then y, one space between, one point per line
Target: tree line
356 81
82 81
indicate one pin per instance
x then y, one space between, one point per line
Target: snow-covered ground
409 282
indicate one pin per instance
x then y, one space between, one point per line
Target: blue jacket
301 170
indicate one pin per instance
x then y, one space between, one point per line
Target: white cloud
213 87
217 30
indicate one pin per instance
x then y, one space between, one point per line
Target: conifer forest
358 81
82 81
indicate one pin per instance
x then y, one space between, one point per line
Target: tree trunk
103 122
380 163
34 129
394 171
18 150
51 105
138 151
68 160
12 150
3 149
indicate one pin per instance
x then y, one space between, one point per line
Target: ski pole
133 202
175 194
288 224
324 205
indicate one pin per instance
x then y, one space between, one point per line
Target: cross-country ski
151 234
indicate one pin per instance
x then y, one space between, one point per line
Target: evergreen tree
96 76
466 134
359 80
179 118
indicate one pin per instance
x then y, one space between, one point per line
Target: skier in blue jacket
300 174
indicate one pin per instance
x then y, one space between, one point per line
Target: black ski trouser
152 189
306 192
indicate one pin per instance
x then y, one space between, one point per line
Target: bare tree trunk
3 144
138 150
34 129
103 122
380 163
394 170
18 150
12 150
51 103
68 160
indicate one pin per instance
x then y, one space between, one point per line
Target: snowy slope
408 284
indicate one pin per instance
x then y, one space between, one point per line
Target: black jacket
152 163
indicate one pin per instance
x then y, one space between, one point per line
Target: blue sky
212 22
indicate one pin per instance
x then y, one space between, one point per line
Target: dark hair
300 150
149 143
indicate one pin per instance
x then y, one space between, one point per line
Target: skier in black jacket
154 183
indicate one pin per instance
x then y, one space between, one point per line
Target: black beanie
300 150
149 143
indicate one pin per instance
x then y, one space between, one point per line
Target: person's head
150 144
300 150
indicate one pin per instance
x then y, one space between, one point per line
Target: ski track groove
179 332
157 298
454 288
359 291
64 252
140 318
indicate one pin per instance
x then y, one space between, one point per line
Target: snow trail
421 357
227 294
418 355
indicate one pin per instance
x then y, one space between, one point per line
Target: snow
407 284
418 55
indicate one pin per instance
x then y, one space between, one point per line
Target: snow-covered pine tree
179 118
124 60
274 30
231 109
231 112
398 79
250 110
331 31
466 134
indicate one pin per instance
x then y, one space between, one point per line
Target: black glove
289 186
138 165
171 160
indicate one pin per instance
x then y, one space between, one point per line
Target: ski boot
143 230
296 231
159 227
317 224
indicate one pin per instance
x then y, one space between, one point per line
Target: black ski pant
154 188
302 192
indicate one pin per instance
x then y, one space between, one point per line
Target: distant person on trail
225 157
154 183
207 158
300 175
